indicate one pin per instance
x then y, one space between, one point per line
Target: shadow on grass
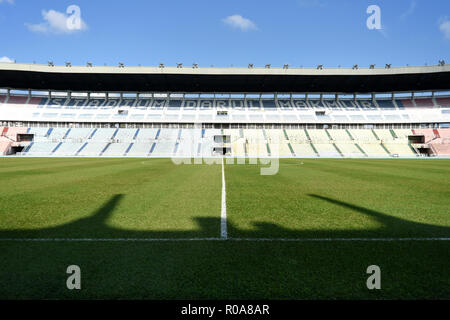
95 227
222 269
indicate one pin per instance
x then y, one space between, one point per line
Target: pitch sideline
219 239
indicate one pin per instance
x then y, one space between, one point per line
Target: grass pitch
119 199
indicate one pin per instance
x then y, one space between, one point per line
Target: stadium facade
239 112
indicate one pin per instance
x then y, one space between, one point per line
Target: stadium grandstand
63 111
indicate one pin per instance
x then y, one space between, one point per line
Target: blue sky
224 33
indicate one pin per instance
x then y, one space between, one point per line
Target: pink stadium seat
407 103
428 133
12 132
436 133
2 99
442 149
439 139
35 100
424 103
18 100
444 102
444 133
4 145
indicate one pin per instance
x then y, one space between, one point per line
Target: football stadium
254 182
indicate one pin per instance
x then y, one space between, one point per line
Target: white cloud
239 22
6 59
55 22
410 10
445 28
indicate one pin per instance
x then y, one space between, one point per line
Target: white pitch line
223 213
218 239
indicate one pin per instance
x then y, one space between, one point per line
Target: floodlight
372 66
88 64
179 65
250 65
319 66
68 64
50 64
121 65
195 65
388 66
161 65
268 66
441 63
355 67
286 66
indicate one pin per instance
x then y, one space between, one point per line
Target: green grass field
114 204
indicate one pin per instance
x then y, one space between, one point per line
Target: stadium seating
385 104
374 150
402 133
340 135
168 142
350 150
68 149
17 99
79 133
318 136
443 102
363 135
404 103
116 149
400 149
92 149
41 149
437 139
304 150
427 133
12 133
424 103
75 138
327 150
188 144
140 149
384 135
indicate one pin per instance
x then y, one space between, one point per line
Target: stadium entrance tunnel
223 151
416 139
25 137
16 149
425 151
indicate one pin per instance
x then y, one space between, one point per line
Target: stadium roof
189 79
